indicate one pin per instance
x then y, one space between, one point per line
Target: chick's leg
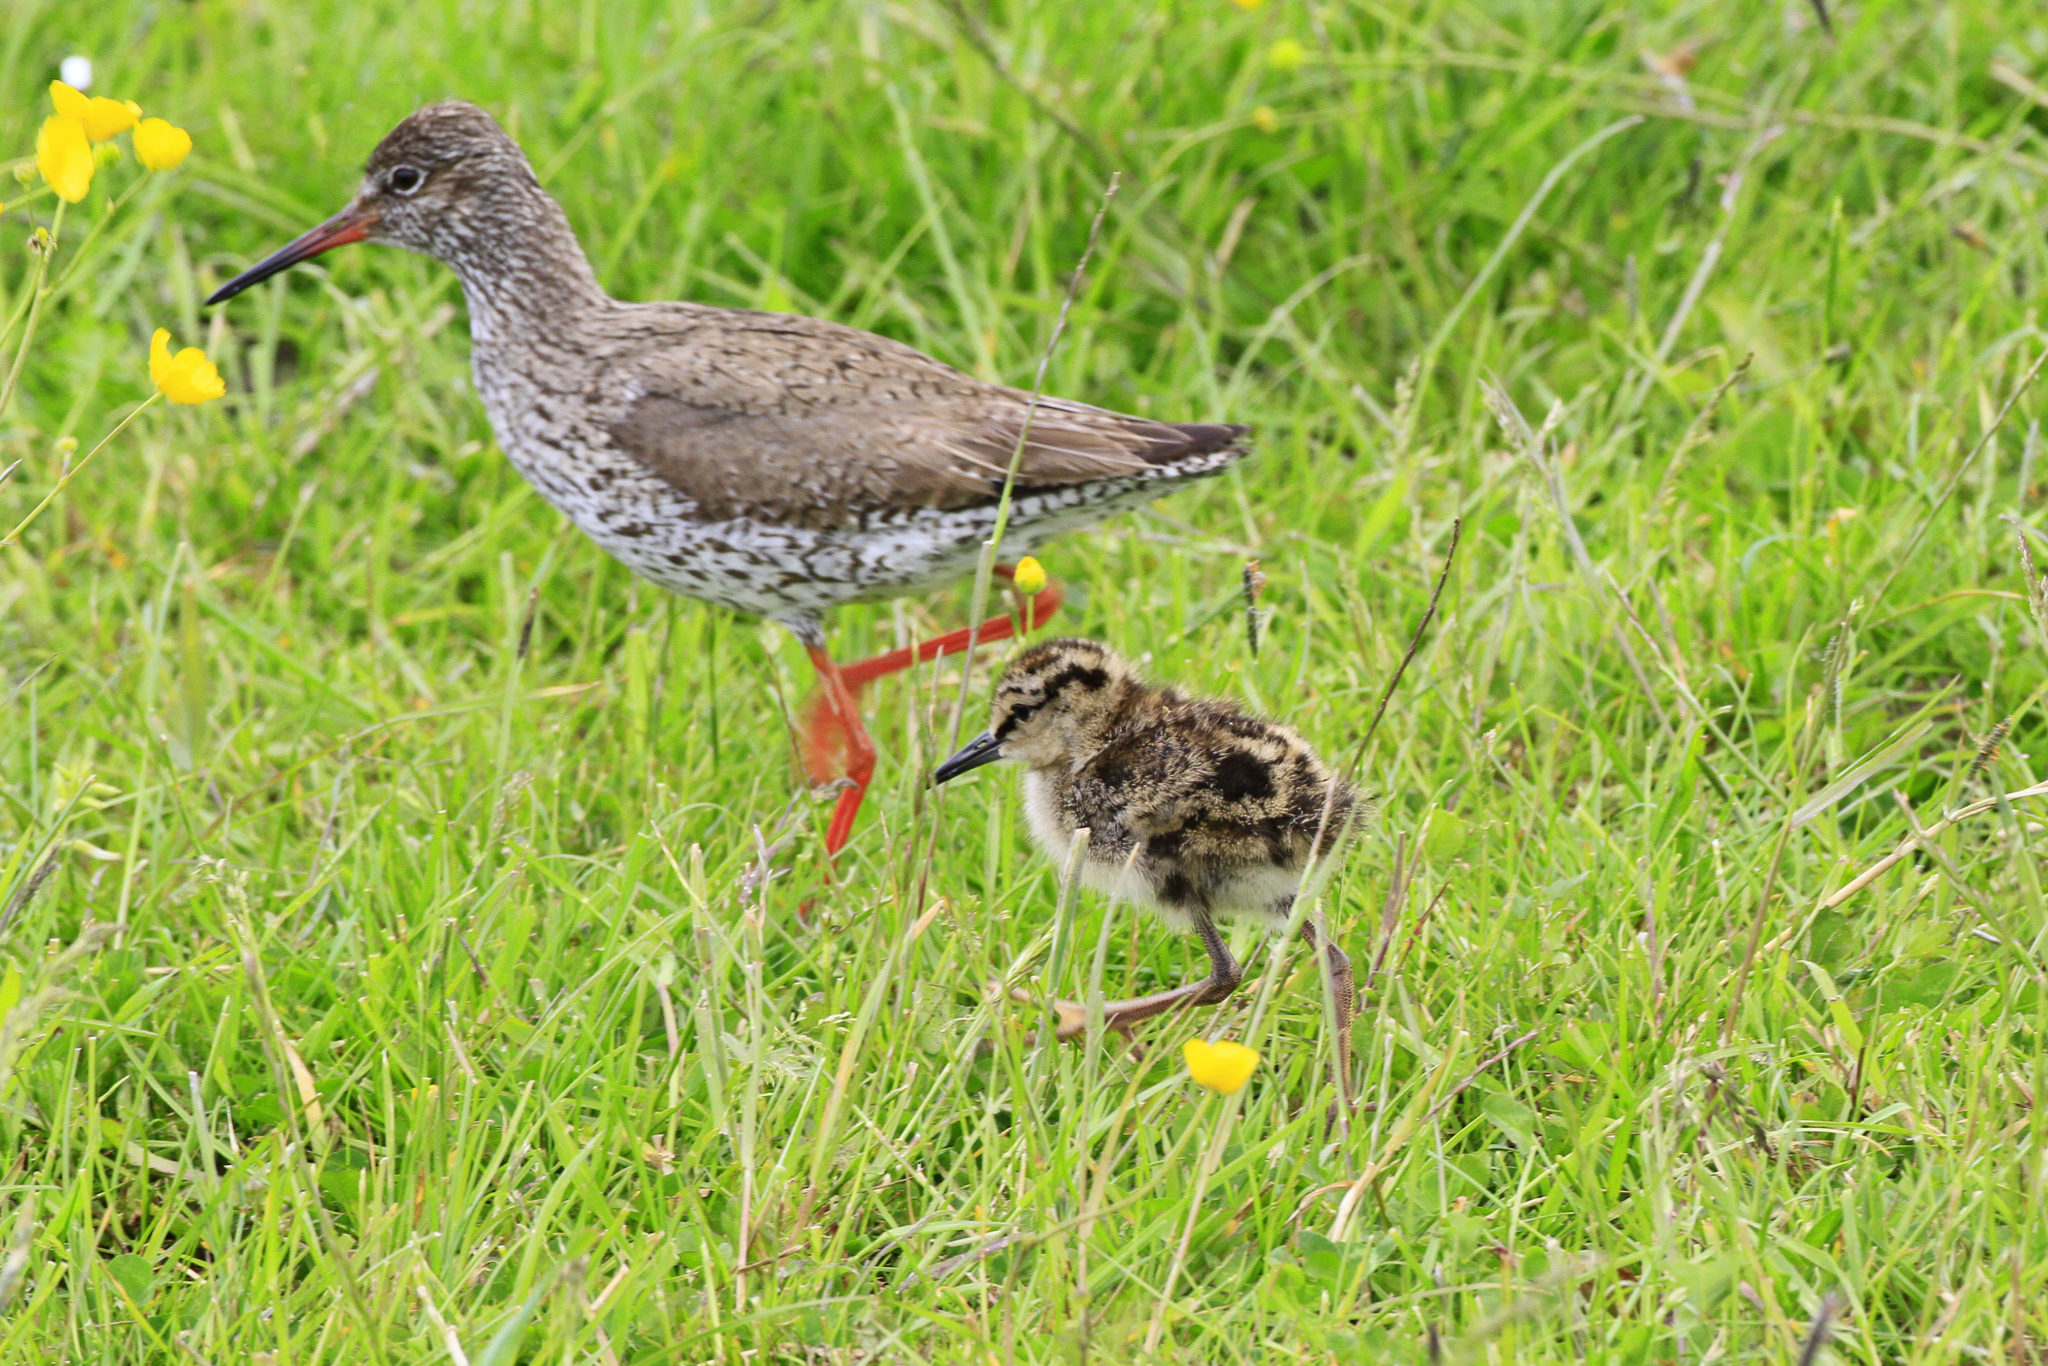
1343 1000
1224 975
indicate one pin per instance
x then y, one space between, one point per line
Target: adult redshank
773 464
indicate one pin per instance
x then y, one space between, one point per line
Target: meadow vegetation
404 951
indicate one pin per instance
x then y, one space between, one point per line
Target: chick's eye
406 179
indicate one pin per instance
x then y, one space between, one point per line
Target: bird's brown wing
808 423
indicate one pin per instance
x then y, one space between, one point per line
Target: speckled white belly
781 571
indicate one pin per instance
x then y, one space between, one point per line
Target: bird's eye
406 179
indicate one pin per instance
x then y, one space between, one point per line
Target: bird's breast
1052 825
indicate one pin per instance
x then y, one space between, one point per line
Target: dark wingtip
1205 437
1173 442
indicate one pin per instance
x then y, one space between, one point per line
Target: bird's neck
527 275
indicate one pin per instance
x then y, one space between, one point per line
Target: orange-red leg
1043 604
836 701
835 743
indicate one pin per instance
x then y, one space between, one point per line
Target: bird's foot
1071 1017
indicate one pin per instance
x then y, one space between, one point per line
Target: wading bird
772 464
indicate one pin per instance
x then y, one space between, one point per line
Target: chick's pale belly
1108 866
1259 892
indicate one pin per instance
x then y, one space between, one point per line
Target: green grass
283 805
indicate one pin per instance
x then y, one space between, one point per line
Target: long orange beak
352 224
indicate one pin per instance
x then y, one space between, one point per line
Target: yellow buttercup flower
1222 1067
71 103
1264 119
64 157
1286 55
1247 5
109 117
100 117
188 377
161 144
1028 576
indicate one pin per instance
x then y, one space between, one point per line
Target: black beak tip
253 276
983 749
352 224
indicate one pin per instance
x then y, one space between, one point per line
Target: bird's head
447 182
1052 705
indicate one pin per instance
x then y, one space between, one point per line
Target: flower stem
78 256
11 537
35 308
37 193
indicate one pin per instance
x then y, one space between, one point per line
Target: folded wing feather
831 435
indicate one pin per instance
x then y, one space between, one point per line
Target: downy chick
1194 808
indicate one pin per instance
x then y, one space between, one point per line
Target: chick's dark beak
983 749
352 224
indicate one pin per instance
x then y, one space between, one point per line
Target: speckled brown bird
1194 808
773 464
